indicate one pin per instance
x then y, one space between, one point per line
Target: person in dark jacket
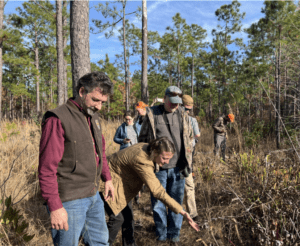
126 134
72 160
141 109
220 134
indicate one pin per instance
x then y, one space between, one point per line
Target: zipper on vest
93 149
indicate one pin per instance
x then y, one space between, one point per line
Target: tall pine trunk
60 55
22 108
65 39
178 69
277 80
192 79
36 63
144 84
10 105
80 45
125 60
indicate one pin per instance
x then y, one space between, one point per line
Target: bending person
138 163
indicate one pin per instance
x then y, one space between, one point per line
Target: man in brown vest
72 161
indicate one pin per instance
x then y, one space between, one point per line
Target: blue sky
160 15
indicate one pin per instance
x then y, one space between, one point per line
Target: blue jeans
168 224
86 218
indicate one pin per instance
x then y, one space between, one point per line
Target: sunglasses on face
186 109
128 119
174 94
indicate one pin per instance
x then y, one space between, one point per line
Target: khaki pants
189 196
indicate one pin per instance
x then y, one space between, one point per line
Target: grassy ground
252 199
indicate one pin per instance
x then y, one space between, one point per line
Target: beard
88 110
91 111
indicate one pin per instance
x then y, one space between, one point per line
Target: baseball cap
174 94
141 105
187 101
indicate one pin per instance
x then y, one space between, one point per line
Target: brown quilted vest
77 173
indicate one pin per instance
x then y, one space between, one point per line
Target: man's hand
109 191
59 219
190 220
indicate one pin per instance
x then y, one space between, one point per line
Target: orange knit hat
141 105
231 117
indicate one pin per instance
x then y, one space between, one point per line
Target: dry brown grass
244 201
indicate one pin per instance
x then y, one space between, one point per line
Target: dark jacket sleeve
119 136
144 135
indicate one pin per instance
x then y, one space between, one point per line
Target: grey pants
220 142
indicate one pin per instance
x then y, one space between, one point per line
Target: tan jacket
130 168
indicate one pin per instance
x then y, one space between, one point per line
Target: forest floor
251 199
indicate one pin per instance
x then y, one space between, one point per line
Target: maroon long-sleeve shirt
51 152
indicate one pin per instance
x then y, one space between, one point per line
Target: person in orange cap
220 134
141 109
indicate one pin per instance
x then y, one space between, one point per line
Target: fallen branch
200 240
237 231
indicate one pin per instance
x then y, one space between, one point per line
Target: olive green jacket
148 132
130 168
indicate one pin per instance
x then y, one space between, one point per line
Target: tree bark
80 46
60 54
144 84
51 85
277 79
10 105
192 79
65 39
125 60
178 69
22 108
36 52
1 62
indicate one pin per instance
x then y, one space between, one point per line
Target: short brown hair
92 80
129 113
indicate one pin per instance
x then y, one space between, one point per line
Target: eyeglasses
186 109
128 119
174 94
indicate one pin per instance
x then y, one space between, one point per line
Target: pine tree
34 19
224 59
80 42
116 16
60 54
144 82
